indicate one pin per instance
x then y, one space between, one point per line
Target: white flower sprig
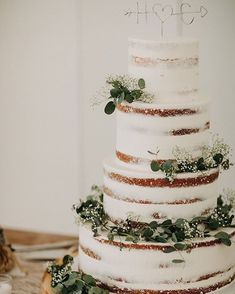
131 84
218 146
216 154
121 88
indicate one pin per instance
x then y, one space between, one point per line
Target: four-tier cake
141 194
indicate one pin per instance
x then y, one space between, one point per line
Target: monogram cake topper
163 13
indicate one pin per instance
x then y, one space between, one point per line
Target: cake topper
185 13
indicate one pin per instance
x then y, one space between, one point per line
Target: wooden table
31 283
33 238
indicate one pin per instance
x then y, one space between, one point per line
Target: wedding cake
161 226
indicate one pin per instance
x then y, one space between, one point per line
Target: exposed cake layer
149 195
145 127
170 69
127 267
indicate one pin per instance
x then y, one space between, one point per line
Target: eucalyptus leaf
64 291
72 277
226 242
169 249
213 224
201 164
167 165
110 236
167 223
121 98
222 235
219 201
58 288
136 94
180 223
174 238
181 246
89 280
76 288
129 98
153 225
178 260
110 107
155 166
224 238
115 92
218 158
160 239
148 233
141 83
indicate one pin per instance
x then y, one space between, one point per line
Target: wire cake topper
165 12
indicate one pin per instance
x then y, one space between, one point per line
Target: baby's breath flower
213 155
218 146
122 87
182 154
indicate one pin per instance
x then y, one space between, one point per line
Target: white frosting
120 210
128 197
139 133
169 68
153 269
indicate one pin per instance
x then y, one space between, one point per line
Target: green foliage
178 260
89 280
221 216
224 238
171 168
155 166
97 290
180 246
92 210
121 92
141 83
169 249
215 156
110 107
167 232
66 281
218 158
180 223
166 167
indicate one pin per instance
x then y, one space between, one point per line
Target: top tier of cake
170 69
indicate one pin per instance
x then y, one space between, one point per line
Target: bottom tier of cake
207 266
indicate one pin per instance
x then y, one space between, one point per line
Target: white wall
52 141
39 113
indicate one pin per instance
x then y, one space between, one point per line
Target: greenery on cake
176 235
92 209
213 156
121 88
66 281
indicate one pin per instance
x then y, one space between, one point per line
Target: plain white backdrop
54 56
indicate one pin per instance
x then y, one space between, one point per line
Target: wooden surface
34 238
36 280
